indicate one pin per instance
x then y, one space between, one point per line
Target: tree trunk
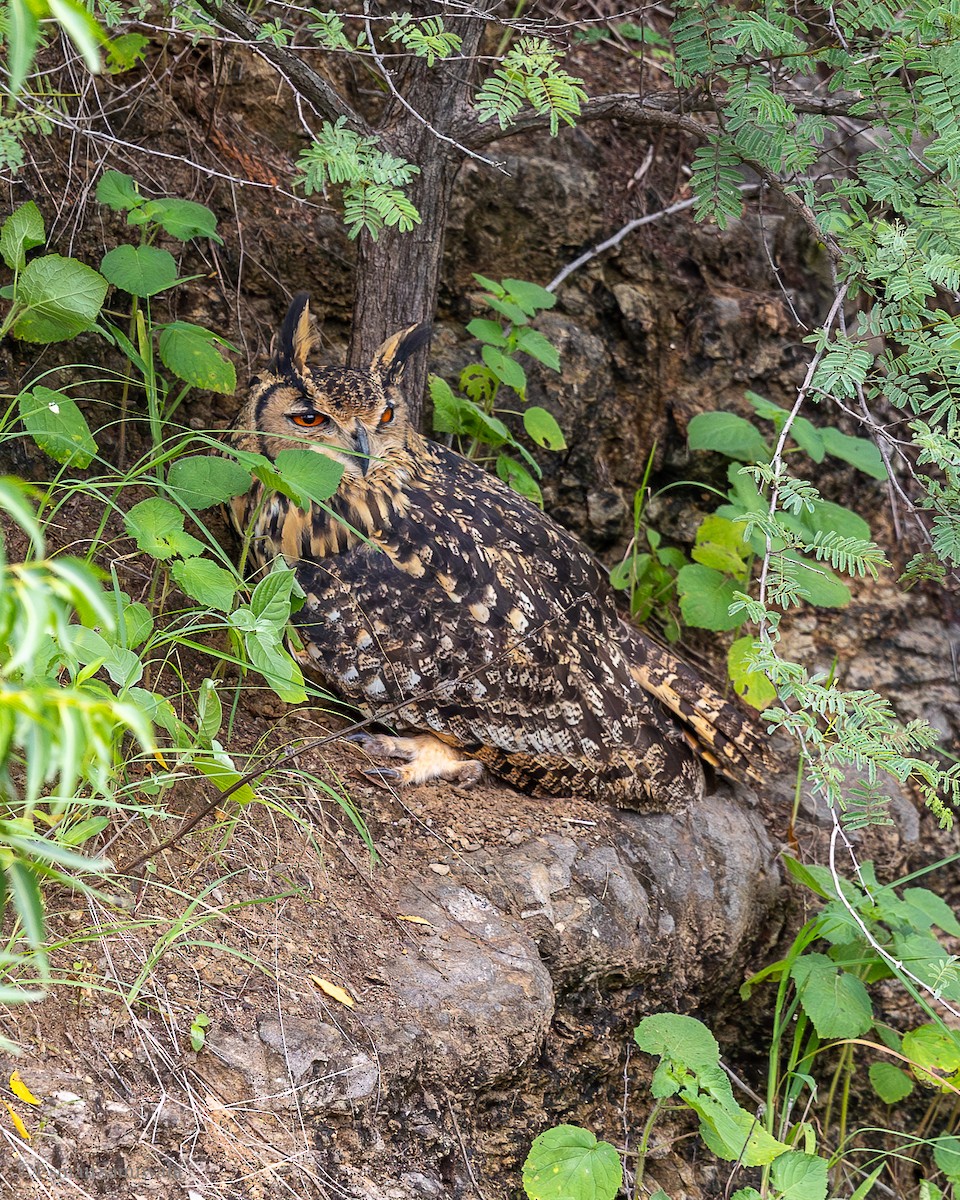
398 275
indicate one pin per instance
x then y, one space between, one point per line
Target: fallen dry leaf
20 1089
333 991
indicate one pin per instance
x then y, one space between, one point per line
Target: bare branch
621 233
669 110
303 78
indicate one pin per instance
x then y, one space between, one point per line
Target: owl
444 603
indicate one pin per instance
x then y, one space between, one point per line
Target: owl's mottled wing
487 623
724 733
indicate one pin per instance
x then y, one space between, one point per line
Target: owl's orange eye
309 420
387 416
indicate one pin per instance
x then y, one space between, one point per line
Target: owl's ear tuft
295 340
391 359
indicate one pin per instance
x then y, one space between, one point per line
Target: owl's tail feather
720 730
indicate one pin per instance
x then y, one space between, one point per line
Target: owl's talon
381 775
360 739
423 756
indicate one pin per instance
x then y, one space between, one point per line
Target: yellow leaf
18 1124
415 920
334 992
20 1089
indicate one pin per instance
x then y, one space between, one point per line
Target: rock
667 904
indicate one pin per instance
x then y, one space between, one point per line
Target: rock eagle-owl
484 633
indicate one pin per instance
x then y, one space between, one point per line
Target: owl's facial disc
344 439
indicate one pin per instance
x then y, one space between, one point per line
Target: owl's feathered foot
424 758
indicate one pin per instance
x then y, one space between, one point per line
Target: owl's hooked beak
361 443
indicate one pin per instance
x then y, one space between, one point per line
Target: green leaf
205 582
137 624
310 475
506 369
490 332
531 342
809 438
223 775
118 191
946 1154
753 686
728 434
182 219
123 666
83 831
82 30
191 353
927 958
27 901
21 231
57 425
490 284
209 713
531 297
935 1053
542 428
720 545
202 480
837 1003
806 436
732 1133
157 527
455 414
23 37
828 517
705 598
268 656
270 602
513 313
519 478
125 51
158 710
934 908
818 584
820 880
890 1083
746 495
140 270
61 298
568 1163
859 452
679 1038
799 1176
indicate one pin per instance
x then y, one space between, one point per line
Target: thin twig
776 462
463 1149
302 77
636 110
418 116
839 833
617 238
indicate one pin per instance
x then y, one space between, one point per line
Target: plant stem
644 1142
